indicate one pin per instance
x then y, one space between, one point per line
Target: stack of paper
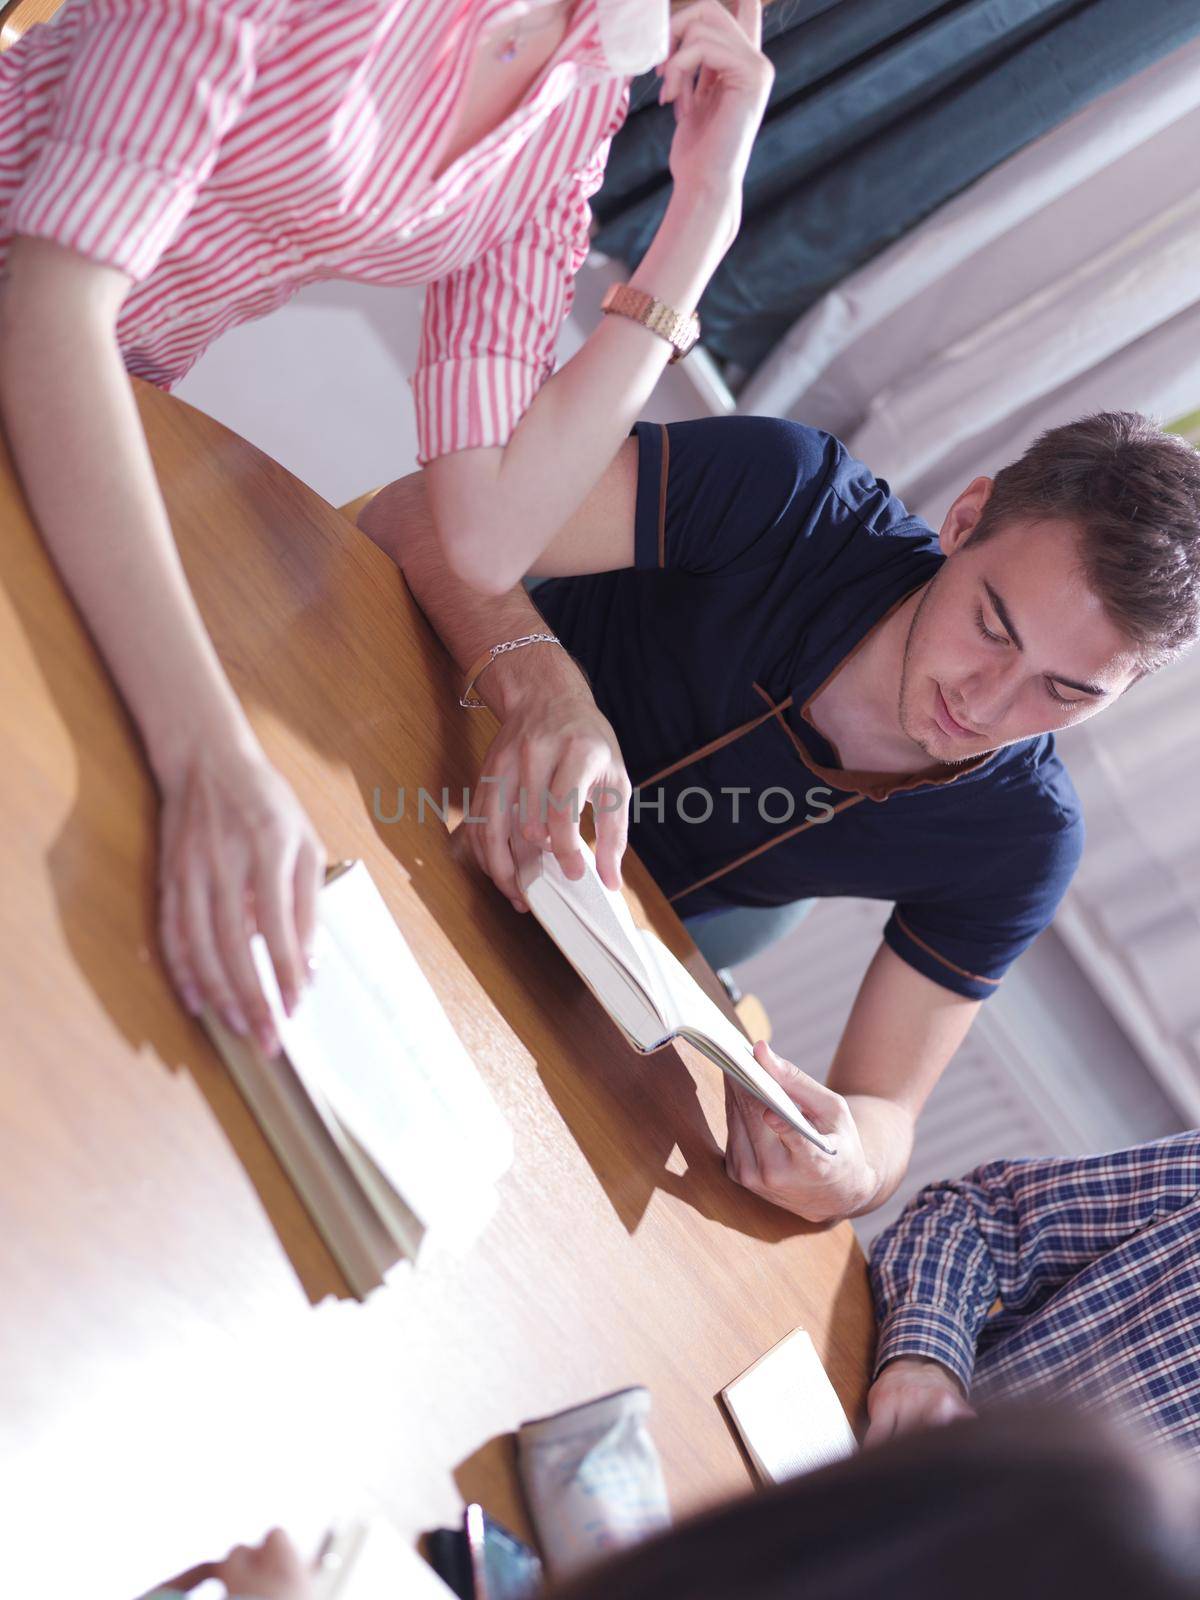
374 1108
787 1412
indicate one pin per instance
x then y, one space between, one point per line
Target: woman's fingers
275 915
309 878
749 14
199 930
232 924
238 854
703 14
175 948
680 71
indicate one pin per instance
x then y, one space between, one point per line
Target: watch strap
680 329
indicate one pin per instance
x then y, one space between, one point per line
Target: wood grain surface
16 16
179 1366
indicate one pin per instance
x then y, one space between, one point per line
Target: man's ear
963 516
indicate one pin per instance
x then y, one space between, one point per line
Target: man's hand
913 1392
554 753
767 1157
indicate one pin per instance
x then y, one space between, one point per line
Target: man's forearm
552 740
468 623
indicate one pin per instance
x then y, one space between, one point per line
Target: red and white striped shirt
224 153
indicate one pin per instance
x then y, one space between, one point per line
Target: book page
692 1015
371 1036
594 928
310 1145
787 1411
601 910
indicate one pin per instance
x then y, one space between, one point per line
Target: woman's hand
237 854
272 1570
718 80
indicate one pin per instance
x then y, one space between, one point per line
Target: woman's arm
229 822
497 509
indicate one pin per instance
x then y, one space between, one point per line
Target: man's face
1007 641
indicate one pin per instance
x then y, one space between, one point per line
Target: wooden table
176 1370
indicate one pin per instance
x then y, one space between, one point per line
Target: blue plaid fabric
1094 1263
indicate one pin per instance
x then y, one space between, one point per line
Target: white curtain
1065 281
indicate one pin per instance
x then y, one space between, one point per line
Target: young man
814 694
1096 1265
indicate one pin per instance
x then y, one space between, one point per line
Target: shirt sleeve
490 330
728 493
1016 1231
967 941
150 90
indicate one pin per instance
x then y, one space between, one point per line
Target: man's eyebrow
1001 611
1006 623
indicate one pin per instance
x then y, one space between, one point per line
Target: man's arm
902 1031
552 739
1013 1231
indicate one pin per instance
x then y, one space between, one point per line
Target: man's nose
988 694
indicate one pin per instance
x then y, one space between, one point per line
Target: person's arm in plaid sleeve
1013 1231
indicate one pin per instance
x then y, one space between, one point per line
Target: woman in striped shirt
170 168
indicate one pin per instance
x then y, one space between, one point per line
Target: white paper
370 1561
788 1412
370 1038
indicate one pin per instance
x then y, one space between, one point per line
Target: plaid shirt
1096 1267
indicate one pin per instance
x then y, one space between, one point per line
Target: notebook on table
787 1411
648 992
374 1108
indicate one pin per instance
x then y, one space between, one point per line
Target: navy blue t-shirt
764 554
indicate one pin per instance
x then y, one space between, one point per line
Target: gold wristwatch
680 329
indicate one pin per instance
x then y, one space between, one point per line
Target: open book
647 992
787 1411
374 1108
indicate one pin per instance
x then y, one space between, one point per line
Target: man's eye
996 638
1061 698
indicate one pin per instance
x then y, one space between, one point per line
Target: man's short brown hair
1133 492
